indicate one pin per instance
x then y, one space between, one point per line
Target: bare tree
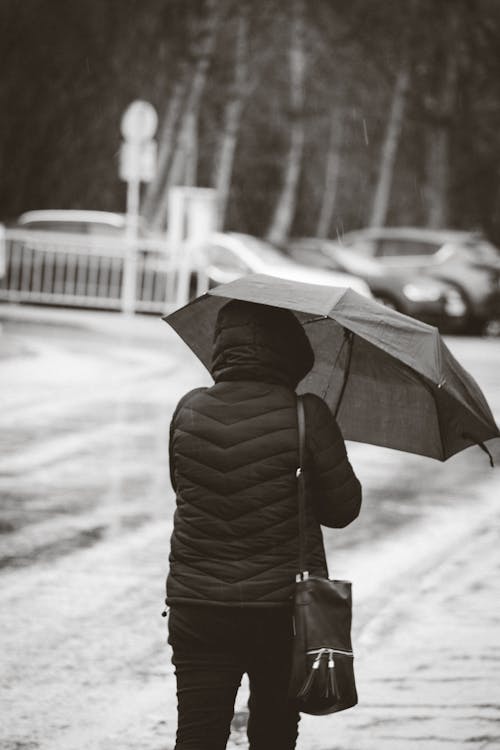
441 108
438 153
332 170
183 164
190 149
166 140
232 116
390 147
57 112
285 208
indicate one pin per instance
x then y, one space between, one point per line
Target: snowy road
85 519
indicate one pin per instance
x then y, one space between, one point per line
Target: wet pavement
85 518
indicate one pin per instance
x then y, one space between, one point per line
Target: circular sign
139 121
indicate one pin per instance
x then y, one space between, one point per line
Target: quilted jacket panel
234 455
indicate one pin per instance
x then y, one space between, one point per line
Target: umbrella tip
481 445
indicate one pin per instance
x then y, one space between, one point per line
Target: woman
234 547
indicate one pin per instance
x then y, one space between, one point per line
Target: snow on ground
86 514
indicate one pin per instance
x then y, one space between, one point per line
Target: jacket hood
260 342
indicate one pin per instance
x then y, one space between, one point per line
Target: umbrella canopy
390 379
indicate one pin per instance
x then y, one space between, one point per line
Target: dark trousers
212 648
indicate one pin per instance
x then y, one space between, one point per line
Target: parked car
431 300
79 258
81 222
463 259
227 256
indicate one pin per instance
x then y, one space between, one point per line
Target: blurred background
328 104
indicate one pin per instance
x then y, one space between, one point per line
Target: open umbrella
389 379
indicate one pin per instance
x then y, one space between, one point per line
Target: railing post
3 253
129 283
184 274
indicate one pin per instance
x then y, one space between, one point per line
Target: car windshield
264 252
318 258
480 252
351 262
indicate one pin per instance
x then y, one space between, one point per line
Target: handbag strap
301 490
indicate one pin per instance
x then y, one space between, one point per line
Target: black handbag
322 677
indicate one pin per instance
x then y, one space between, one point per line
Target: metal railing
87 271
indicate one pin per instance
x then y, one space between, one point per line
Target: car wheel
476 326
468 324
492 328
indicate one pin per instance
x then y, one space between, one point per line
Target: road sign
139 122
138 161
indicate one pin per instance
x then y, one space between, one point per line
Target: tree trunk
438 178
333 160
390 148
232 119
165 145
191 149
438 138
285 207
183 164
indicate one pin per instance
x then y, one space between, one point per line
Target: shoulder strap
301 489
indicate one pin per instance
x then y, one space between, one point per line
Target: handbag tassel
308 682
331 685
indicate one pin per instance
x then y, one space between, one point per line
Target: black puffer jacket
233 461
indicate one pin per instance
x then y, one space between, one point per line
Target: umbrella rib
465 435
349 337
481 445
314 320
438 416
327 387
